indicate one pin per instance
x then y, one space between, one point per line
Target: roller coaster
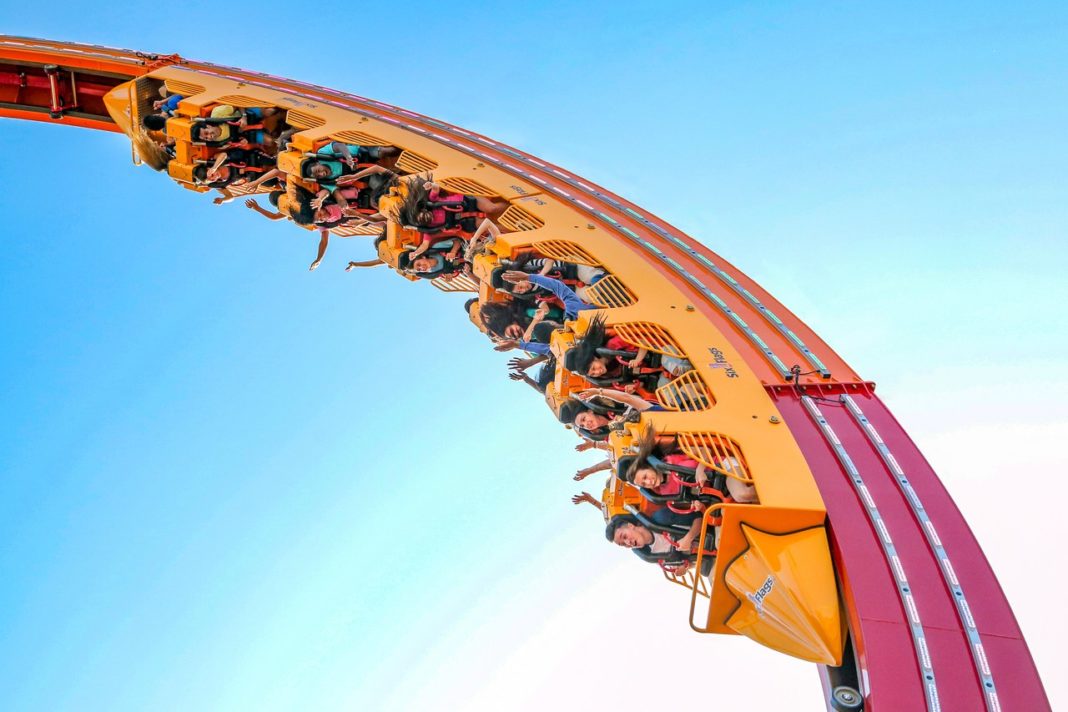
849 554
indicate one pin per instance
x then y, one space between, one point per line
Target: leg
741 492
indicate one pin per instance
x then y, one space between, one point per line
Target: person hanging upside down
642 472
544 376
670 540
442 261
337 163
594 420
434 211
629 364
577 277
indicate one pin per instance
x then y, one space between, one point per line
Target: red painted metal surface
876 617
1019 686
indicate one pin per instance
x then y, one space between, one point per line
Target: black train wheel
846 699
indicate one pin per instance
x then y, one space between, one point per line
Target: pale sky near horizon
226 483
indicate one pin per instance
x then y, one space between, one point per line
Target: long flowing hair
546 374
414 201
497 317
585 349
647 445
303 214
151 153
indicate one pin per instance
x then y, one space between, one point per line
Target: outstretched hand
251 204
515 277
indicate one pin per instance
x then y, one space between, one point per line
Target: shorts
368 154
589 275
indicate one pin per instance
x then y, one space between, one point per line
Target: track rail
905 602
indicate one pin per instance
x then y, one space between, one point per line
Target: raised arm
532 347
253 205
522 364
520 376
273 173
587 498
362 173
422 248
572 304
219 160
339 198
365 263
324 240
633 401
343 149
587 471
454 251
543 309
225 196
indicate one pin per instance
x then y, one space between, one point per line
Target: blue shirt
572 304
534 347
170 104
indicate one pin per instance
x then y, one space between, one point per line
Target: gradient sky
227 483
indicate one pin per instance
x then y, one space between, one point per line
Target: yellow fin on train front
787 595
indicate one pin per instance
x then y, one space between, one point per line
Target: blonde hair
151 153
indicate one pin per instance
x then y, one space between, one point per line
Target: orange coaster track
929 625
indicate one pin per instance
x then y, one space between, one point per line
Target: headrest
622 465
568 410
305 166
543 332
657 498
496 280
601 408
571 360
662 466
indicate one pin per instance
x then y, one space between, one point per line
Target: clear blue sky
228 483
